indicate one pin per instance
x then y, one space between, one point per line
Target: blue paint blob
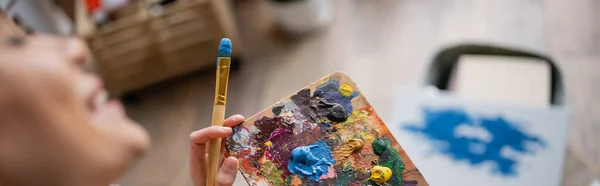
311 161
225 48
331 91
440 126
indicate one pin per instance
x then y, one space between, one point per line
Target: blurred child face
54 127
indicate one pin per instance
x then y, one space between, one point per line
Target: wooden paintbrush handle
214 152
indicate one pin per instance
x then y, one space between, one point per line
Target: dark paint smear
288 181
315 109
281 149
333 111
266 126
229 143
310 182
277 110
345 175
330 91
390 158
440 126
410 183
305 103
325 128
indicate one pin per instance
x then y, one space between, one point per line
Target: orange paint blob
296 181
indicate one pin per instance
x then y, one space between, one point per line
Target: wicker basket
140 48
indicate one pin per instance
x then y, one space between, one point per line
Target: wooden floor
382 45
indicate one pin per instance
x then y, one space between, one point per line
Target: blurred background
159 56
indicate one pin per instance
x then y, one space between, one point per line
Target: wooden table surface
382 45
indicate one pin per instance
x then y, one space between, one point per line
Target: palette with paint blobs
325 134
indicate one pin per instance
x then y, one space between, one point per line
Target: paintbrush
223 64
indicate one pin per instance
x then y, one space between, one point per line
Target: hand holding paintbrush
199 171
199 158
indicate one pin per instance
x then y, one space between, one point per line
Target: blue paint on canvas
440 126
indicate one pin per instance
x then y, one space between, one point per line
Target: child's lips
116 106
100 105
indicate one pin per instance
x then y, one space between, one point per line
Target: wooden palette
325 134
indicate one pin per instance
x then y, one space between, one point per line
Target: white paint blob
469 131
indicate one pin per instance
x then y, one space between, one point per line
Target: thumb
227 172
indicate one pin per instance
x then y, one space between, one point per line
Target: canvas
324 134
456 141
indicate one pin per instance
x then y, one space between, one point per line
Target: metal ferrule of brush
222 80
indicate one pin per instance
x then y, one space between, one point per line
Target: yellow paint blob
346 90
380 174
351 146
268 143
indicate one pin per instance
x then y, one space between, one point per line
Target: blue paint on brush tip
225 48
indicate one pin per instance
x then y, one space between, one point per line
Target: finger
198 140
227 172
198 165
206 134
202 136
233 120
198 172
